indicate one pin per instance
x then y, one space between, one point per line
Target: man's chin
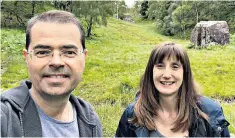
56 89
56 93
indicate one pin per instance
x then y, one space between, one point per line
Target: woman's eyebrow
176 62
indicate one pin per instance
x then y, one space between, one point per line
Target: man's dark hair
54 16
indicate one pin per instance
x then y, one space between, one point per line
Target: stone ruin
207 33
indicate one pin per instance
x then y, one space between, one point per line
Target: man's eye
69 53
42 52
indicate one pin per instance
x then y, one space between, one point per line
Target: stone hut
210 33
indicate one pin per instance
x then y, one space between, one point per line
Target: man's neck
59 109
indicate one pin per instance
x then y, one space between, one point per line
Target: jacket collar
87 121
140 131
215 114
83 110
18 96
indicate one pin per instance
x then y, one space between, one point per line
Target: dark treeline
171 17
179 17
15 14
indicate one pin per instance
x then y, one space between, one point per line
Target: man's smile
56 75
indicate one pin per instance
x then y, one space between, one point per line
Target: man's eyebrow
68 47
42 46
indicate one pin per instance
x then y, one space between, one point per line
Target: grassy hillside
117 57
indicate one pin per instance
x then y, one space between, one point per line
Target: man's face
57 74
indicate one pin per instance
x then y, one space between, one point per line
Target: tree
179 16
17 13
183 18
135 10
157 10
144 10
63 5
122 9
93 12
164 17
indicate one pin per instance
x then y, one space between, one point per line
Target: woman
169 104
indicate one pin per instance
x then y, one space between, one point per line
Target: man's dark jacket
19 116
215 127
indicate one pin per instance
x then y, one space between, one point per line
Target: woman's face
168 76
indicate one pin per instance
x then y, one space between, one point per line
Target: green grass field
117 57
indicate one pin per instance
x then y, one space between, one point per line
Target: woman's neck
169 104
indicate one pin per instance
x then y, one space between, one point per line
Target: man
44 107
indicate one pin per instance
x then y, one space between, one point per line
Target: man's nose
56 60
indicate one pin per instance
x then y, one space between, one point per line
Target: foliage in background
98 15
13 66
178 17
171 17
144 10
17 13
121 9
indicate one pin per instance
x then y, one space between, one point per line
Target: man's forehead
51 34
51 27
43 26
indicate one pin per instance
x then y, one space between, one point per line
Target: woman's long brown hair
148 101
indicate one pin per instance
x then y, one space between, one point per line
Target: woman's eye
160 65
175 66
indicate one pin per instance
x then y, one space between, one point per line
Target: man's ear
25 52
25 55
85 52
